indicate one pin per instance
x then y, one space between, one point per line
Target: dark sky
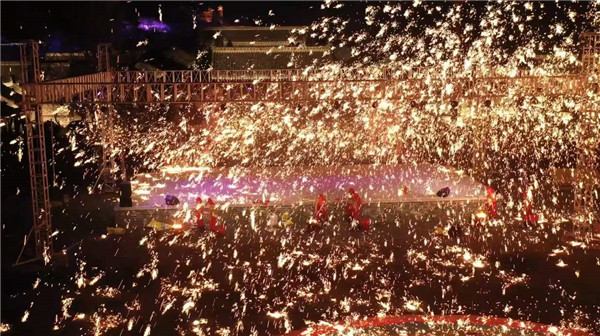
79 25
71 26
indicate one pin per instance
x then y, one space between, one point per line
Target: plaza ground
255 282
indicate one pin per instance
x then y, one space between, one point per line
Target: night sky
70 26
73 26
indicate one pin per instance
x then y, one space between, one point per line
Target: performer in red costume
353 203
349 203
321 215
364 224
353 206
357 201
492 203
529 217
216 228
210 205
199 213
213 226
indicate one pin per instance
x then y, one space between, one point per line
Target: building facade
246 47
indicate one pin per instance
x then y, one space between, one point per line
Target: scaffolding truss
106 180
40 234
108 88
30 61
107 91
103 56
590 51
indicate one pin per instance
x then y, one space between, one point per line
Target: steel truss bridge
173 87
109 88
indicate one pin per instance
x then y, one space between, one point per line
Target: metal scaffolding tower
106 177
30 62
103 55
41 229
587 127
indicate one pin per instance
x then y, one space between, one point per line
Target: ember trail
302 169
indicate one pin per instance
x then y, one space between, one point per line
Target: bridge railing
272 75
59 90
207 76
310 90
210 86
99 77
162 76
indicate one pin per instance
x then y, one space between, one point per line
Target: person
357 202
364 224
529 217
213 224
455 230
210 206
320 215
492 203
442 228
403 191
199 211
216 227
349 203
353 207
321 209
353 203
273 222
286 219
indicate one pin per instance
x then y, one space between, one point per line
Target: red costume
357 200
216 228
210 204
365 224
321 209
529 217
353 204
199 213
492 203
213 226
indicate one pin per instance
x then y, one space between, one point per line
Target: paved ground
252 282
294 185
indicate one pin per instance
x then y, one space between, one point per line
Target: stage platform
296 188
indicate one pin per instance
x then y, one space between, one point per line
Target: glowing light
480 215
412 305
148 24
277 315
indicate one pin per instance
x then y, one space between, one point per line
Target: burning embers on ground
258 281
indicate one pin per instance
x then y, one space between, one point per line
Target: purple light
148 24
